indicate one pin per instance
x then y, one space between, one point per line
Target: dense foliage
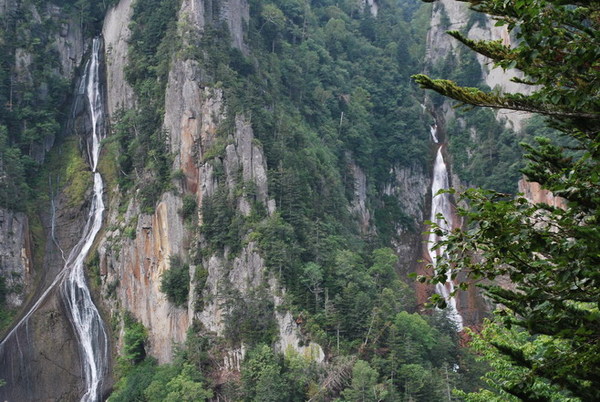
143 380
325 86
549 252
175 281
144 158
33 88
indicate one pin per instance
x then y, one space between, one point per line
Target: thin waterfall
441 215
89 327
83 314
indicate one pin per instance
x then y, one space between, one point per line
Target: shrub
175 282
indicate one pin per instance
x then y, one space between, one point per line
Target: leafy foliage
175 281
134 340
484 153
508 372
143 143
325 87
251 319
270 377
549 252
146 381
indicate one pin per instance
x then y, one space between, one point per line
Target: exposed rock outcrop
534 192
410 186
137 264
41 361
452 15
359 202
16 260
136 252
116 35
237 14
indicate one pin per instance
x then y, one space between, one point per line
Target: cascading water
84 316
441 214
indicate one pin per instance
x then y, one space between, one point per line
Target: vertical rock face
451 15
136 251
359 202
410 186
41 362
15 255
237 14
537 195
136 265
116 34
69 42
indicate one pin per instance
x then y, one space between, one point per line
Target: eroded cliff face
535 194
410 186
116 34
16 259
136 248
451 15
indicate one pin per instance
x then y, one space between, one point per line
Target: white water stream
88 324
441 206
86 320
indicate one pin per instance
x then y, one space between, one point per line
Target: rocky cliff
450 15
16 258
194 112
214 153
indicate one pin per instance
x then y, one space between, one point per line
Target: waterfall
86 320
83 314
433 132
441 214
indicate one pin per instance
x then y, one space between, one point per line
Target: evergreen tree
549 252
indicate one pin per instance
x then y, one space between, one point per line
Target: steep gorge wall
451 15
132 265
40 360
16 259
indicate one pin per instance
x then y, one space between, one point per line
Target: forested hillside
267 172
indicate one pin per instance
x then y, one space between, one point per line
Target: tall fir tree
550 253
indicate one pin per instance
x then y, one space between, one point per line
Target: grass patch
67 169
107 166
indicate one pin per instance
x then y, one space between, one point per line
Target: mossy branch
476 97
493 49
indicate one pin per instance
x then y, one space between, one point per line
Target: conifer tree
549 252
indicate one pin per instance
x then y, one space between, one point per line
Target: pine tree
550 253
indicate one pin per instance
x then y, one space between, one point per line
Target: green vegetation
251 319
484 153
175 281
508 374
144 380
6 315
136 335
326 86
222 223
270 377
189 208
144 159
546 334
33 93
